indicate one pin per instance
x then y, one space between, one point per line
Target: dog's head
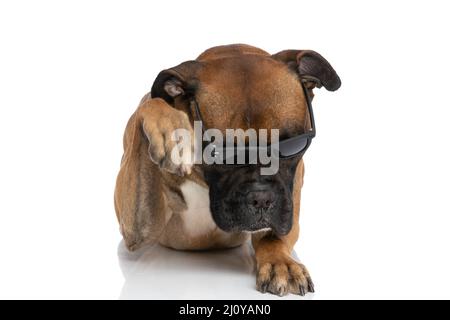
242 87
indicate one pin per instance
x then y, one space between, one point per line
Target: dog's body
181 205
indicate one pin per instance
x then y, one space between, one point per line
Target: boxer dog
189 206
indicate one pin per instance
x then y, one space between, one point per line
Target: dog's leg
277 271
140 203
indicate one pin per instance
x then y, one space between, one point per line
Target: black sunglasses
287 148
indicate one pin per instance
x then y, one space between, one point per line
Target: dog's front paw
283 276
170 136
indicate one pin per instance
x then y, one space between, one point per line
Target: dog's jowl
186 204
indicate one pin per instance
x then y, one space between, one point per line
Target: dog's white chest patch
197 218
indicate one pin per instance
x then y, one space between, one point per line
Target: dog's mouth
232 218
237 227
241 200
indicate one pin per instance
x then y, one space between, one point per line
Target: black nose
260 199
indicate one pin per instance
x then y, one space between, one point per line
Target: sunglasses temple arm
310 109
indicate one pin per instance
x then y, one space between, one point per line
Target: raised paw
283 277
170 136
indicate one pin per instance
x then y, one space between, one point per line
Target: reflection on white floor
161 273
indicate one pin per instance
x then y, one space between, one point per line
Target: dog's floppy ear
176 81
311 67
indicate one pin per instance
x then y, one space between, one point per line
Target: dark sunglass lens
292 146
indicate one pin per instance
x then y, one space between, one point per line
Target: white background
375 211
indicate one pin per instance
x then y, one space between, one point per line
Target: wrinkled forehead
251 92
